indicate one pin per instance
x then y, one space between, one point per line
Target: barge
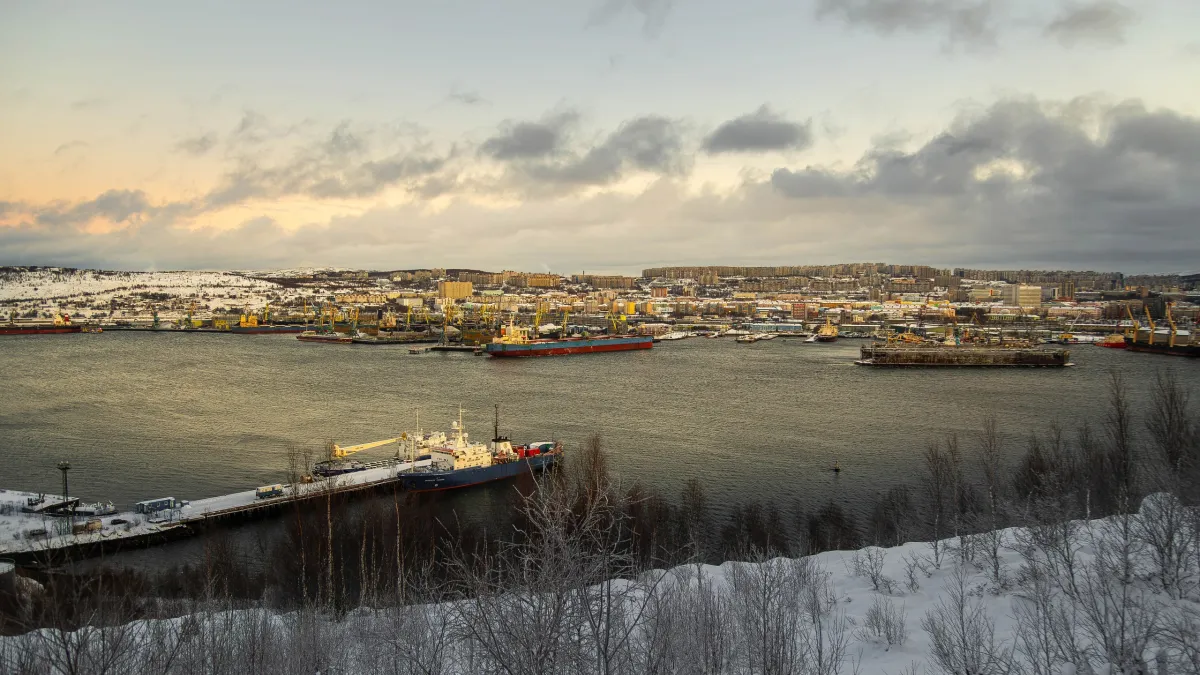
961 356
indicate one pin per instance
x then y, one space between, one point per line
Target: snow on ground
16 525
992 620
46 283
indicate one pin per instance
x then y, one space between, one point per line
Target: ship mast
496 425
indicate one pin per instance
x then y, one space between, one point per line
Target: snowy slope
1085 601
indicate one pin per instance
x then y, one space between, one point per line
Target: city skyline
602 136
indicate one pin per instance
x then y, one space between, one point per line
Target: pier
29 536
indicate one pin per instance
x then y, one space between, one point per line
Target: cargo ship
62 324
928 355
515 342
1171 341
460 463
266 329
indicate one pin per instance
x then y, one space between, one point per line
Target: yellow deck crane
1150 321
338 452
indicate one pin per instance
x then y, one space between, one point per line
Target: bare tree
769 604
962 635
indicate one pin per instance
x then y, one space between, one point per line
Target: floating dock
961 356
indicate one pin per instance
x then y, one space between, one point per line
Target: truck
269 491
151 506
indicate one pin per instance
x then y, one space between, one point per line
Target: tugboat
461 463
1113 341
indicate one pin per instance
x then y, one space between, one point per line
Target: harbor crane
338 452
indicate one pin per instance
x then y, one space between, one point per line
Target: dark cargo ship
961 356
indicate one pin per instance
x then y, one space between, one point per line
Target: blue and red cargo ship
459 463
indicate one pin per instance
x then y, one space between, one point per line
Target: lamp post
64 467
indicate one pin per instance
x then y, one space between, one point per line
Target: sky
603 136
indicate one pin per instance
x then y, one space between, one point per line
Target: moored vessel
926 355
1114 341
334 338
1171 340
828 332
62 324
515 342
460 463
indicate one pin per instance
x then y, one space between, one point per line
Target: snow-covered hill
48 283
1118 595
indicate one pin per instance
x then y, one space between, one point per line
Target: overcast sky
601 135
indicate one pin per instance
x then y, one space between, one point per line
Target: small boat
1114 341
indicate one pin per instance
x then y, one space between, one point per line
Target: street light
64 467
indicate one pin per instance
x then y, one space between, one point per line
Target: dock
961 356
31 538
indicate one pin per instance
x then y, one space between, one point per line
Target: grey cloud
1101 22
524 140
198 145
338 166
966 22
89 103
654 13
121 206
252 128
650 143
67 147
1038 178
466 97
759 131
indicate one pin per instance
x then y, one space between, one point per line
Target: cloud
118 206
965 22
1101 22
654 13
89 103
341 164
525 140
67 147
650 143
252 129
466 97
198 145
759 131
1022 183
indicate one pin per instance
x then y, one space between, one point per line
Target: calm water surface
143 415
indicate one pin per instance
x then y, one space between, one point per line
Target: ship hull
962 357
1162 348
826 338
570 346
39 330
430 481
266 330
340 339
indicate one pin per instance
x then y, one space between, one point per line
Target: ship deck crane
1149 320
338 452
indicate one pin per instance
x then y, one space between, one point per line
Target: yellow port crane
1171 323
1150 321
338 452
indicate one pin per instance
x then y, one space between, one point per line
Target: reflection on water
192 416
